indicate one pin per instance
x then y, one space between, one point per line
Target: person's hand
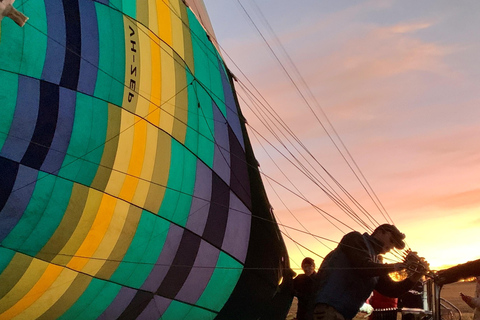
366 308
416 263
471 301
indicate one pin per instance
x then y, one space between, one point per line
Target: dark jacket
350 273
304 290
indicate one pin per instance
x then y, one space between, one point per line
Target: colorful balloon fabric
126 190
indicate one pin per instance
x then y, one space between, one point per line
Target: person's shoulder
351 240
301 276
354 235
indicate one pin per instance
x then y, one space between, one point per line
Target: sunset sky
400 83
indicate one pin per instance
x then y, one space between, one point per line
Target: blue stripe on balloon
90 47
45 126
71 67
8 173
18 199
24 119
55 55
59 146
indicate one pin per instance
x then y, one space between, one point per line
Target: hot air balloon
129 189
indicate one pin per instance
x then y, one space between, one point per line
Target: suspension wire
386 216
351 198
226 53
256 134
370 190
285 206
300 245
306 101
285 129
336 199
269 179
302 168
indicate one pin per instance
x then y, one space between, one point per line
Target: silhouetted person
350 273
304 290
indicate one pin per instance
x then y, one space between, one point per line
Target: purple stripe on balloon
232 112
221 159
237 233
165 259
155 309
200 274
202 194
119 304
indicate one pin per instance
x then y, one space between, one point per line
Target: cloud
410 27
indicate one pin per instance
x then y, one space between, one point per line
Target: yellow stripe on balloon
156 73
123 155
38 285
51 295
148 166
96 233
77 237
152 117
110 238
136 160
152 15
145 88
177 29
160 172
164 22
26 265
168 90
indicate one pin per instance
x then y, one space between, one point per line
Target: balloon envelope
128 185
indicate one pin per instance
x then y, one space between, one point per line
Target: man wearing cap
350 273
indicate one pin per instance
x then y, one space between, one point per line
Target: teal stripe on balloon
6 256
203 62
111 65
11 45
143 251
35 49
92 303
42 216
206 127
181 182
178 310
51 217
221 284
32 214
128 7
191 137
87 142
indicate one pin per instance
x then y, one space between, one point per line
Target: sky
397 83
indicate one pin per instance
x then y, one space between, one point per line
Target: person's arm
461 271
390 288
